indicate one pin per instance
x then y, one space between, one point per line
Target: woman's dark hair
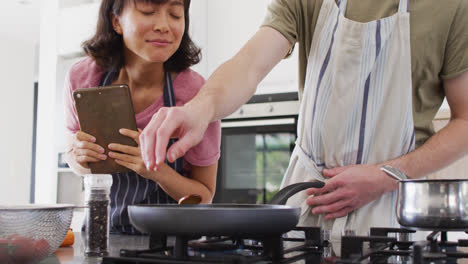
106 46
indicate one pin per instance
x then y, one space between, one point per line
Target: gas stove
383 245
394 245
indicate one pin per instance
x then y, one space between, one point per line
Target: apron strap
403 6
107 78
342 4
169 101
168 94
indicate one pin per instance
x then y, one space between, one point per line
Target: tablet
102 111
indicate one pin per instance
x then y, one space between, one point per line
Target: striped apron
130 188
356 109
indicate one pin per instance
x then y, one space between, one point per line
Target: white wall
46 160
231 23
19 33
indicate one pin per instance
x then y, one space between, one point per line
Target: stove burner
384 248
263 249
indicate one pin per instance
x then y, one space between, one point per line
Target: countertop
75 253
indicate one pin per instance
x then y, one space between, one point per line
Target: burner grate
237 250
383 248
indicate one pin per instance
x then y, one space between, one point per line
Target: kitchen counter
75 253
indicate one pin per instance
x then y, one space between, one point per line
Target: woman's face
152 32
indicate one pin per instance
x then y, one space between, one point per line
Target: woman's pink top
86 73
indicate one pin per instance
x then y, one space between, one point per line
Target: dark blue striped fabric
378 47
130 188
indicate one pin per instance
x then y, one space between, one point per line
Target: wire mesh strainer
29 233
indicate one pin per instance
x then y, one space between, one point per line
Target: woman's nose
161 23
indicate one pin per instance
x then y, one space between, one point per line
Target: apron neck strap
169 101
108 78
342 5
168 94
403 6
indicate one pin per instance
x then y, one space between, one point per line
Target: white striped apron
356 109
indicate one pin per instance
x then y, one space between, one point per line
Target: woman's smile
159 42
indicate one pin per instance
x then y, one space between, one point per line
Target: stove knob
271 109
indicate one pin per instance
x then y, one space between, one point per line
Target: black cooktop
383 245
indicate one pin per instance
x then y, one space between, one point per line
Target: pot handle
283 195
394 173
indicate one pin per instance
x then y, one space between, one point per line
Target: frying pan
431 204
221 219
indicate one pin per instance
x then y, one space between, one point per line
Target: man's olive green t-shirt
439 43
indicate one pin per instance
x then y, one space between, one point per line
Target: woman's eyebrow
176 3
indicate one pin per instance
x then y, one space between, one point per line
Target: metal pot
431 204
221 219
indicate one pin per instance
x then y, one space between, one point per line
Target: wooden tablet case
102 111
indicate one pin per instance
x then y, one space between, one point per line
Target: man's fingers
164 133
331 207
330 186
180 147
327 198
146 156
335 171
339 214
148 139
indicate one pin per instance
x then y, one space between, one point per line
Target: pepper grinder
97 204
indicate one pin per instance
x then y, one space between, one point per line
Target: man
372 77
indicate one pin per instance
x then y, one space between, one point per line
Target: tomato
4 256
17 249
42 248
22 250
10 237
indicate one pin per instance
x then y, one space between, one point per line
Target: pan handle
283 195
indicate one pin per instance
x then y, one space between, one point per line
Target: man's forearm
225 91
442 149
234 82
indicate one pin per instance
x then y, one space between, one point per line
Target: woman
144 44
